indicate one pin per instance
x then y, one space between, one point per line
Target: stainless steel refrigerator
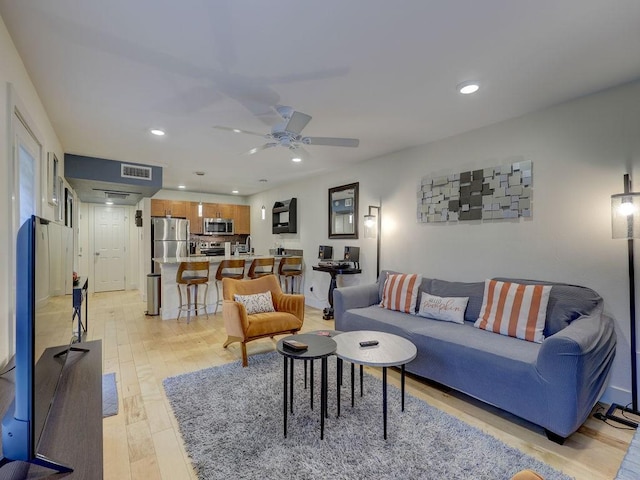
170 238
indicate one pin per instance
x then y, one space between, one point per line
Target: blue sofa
554 384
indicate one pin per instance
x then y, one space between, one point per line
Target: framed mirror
343 211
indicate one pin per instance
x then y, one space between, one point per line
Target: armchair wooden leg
231 340
245 360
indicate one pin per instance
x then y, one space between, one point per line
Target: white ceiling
381 71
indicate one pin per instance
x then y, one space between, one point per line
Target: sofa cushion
566 303
514 309
474 291
448 309
425 284
401 292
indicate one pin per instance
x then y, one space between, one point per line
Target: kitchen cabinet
195 222
242 219
218 210
169 208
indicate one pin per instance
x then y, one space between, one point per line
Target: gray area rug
630 467
231 420
109 395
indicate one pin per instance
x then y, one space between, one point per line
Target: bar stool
191 275
261 267
228 269
290 267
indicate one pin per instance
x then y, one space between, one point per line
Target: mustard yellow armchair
241 327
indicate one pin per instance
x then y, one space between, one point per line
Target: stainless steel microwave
218 226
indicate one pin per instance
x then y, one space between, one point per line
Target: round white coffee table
390 351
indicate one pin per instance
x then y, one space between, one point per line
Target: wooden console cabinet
73 434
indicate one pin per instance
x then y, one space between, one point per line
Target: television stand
73 433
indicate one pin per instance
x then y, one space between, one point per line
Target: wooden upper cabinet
242 219
195 222
210 210
158 208
218 210
165 208
226 210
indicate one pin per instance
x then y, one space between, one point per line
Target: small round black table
318 346
334 271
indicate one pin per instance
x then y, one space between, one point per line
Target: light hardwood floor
143 440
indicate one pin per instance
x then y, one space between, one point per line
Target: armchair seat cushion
269 323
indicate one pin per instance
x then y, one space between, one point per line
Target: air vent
135 171
116 195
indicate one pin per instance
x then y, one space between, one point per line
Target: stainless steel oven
218 226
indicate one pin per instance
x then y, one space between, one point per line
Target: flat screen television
36 375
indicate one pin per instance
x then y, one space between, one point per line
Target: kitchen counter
169 268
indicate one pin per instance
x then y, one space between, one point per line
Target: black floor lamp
625 223
372 226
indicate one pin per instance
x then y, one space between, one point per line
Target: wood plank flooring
143 440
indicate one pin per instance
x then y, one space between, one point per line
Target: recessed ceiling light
234 191
468 88
109 202
182 187
296 159
157 131
237 130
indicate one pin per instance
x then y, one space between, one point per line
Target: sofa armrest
291 303
235 318
356 296
574 364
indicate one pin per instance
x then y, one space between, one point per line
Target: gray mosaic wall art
487 194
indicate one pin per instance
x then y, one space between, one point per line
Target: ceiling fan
287 133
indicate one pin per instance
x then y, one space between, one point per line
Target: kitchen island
169 268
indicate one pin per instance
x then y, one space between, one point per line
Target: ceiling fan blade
330 141
297 122
261 147
238 130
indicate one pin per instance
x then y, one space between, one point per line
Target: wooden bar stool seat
191 275
228 269
261 267
290 268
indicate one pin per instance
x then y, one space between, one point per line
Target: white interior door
109 252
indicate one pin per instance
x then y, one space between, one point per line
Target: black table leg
305 374
338 382
323 392
402 385
353 377
361 368
285 394
326 391
291 386
384 399
311 384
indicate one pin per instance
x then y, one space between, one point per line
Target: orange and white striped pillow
401 292
514 309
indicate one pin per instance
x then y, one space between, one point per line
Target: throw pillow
449 309
256 303
400 292
514 309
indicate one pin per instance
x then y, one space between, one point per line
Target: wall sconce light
372 224
263 212
625 223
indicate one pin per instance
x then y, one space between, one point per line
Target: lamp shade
625 215
370 230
